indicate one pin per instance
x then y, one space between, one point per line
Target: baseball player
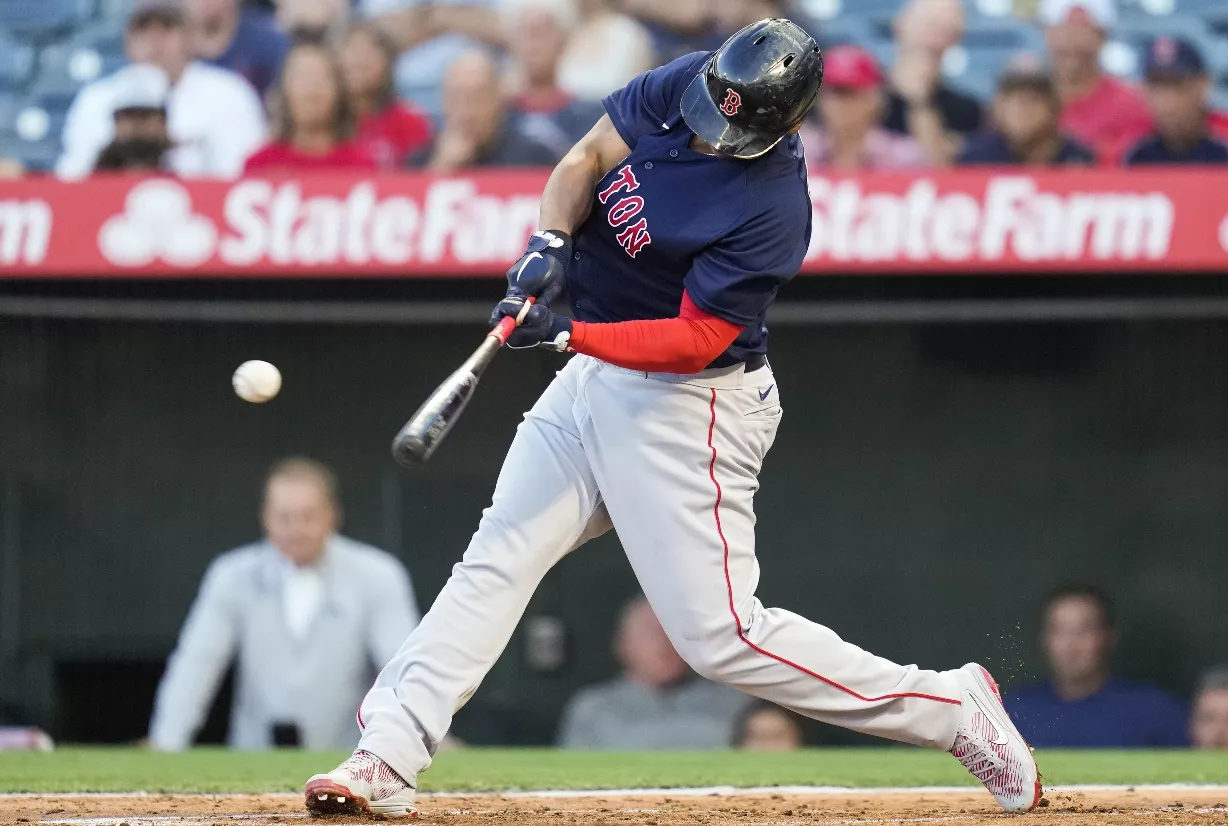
670 227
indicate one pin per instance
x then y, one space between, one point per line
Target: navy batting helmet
756 89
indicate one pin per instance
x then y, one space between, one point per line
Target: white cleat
990 747
362 785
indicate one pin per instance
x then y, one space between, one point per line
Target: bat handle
494 340
507 325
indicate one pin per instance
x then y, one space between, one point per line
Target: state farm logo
266 223
1012 218
158 224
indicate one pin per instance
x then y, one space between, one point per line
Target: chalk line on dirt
700 791
195 820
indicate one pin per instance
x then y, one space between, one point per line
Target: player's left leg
545 504
680 493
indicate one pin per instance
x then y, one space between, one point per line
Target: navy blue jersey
991 148
1152 150
668 219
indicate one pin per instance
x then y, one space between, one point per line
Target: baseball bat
425 431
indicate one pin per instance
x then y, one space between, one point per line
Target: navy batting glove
542 271
539 327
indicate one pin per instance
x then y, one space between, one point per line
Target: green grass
214 770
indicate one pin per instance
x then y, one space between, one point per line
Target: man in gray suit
311 614
657 703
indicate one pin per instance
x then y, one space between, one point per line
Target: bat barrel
422 434
409 449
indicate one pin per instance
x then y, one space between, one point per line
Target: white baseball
256 381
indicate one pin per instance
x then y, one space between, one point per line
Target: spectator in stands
476 130
11 169
918 102
313 121
1209 722
214 116
730 16
605 51
1082 704
243 39
850 110
1025 123
310 615
537 32
324 21
562 48
682 26
1177 91
431 34
1098 110
657 703
142 140
764 726
390 129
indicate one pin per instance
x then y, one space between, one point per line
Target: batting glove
542 271
539 327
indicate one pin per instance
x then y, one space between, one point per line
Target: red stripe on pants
716 512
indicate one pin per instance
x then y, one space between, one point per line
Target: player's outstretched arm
568 196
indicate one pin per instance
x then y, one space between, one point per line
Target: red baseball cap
851 67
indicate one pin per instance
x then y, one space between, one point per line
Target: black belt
754 362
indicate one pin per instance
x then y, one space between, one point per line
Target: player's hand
539 327
542 271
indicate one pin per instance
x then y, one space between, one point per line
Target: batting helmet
756 88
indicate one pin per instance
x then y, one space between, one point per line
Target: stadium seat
32 135
91 53
831 9
114 10
16 63
42 20
1160 10
8 108
845 30
989 9
988 45
1002 34
975 71
38 156
53 94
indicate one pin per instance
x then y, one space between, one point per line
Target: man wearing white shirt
311 615
214 116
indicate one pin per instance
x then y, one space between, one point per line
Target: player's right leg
546 502
678 463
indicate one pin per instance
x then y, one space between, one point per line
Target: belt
754 362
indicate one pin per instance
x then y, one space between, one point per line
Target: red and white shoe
990 747
364 784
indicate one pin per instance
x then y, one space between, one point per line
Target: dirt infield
1163 807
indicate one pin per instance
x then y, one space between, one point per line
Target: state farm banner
957 221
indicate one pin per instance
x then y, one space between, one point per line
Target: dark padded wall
929 484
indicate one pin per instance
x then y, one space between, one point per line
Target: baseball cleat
362 785
990 747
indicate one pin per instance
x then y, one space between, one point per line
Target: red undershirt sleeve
686 344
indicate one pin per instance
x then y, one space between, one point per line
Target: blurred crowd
218 88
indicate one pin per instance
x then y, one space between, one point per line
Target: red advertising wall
418 225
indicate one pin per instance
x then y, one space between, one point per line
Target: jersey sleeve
738 277
645 104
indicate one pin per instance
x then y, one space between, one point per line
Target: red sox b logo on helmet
732 104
